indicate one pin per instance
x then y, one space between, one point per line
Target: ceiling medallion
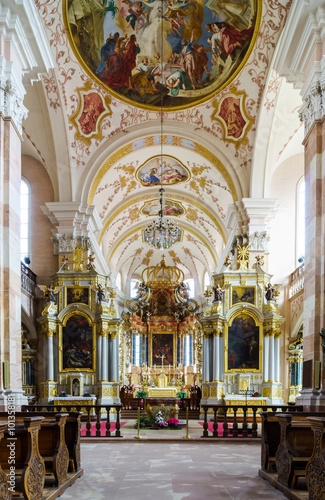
178 52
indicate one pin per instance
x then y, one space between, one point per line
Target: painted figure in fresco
230 112
201 60
136 15
178 80
188 59
120 63
106 50
143 78
230 38
171 174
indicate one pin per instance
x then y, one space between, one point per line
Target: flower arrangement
257 395
141 394
173 423
86 395
181 394
63 394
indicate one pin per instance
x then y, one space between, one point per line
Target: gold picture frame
77 295
243 344
77 343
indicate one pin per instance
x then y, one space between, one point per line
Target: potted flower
63 394
86 395
257 395
141 395
173 423
181 394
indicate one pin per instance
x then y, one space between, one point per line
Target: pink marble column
10 147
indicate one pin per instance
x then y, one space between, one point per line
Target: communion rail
238 420
90 412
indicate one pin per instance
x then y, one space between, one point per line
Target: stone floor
184 469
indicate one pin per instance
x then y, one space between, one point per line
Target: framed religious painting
77 344
77 295
163 349
243 344
240 294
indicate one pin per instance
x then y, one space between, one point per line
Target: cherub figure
49 292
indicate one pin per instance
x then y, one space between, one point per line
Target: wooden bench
72 434
27 460
315 470
51 443
295 449
270 440
5 492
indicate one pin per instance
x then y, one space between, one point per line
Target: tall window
118 282
24 219
134 288
191 286
300 241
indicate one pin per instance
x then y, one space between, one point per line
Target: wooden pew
72 434
29 464
53 448
315 469
51 442
5 492
295 449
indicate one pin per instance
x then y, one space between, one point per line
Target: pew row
19 449
58 445
293 447
5 489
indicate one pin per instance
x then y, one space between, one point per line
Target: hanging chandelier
161 233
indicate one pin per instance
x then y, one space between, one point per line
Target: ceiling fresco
171 53
111 147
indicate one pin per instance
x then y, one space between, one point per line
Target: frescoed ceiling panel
89 114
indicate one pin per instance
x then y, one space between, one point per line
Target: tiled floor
170 471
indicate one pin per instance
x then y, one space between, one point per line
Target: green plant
181 394
86 395
63 394
141 394
144 422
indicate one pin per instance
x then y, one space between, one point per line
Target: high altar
241 330
164 340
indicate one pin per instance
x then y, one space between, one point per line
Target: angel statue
100 293
218 293
49 293
269 295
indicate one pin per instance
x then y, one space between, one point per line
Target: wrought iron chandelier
161 233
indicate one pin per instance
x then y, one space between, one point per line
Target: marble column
266 376
104 370
206 359
216 360
271 358
99 358
24 53
277 358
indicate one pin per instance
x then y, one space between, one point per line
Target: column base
273 392
213 392
12 397
49 390
108 393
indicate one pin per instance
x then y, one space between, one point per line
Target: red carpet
102 428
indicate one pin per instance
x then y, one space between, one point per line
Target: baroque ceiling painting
169 94
170 207
172 52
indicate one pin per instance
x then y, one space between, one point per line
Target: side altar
241 336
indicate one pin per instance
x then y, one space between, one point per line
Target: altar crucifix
162 360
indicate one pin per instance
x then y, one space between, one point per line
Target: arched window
118 282
24 220
191 285
300 237
134 288
206 281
